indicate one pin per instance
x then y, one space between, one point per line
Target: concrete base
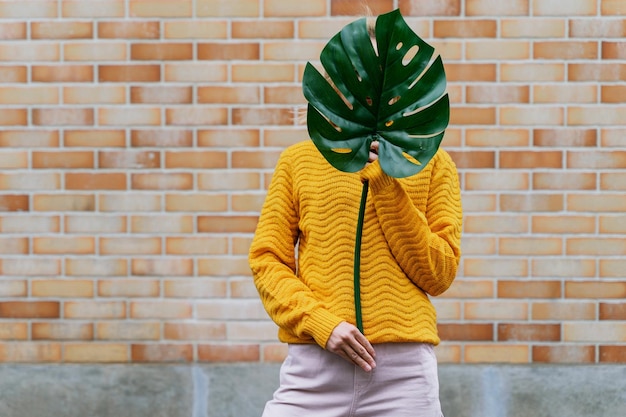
240 390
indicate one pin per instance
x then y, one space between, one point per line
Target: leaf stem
357 258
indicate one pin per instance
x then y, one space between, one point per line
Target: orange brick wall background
137 138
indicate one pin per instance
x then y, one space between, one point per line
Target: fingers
373 155
349 343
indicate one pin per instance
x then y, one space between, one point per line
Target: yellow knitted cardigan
410 248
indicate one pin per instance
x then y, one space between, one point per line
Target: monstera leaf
388 87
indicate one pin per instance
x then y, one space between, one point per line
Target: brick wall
137 138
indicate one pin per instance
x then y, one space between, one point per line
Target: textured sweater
302 254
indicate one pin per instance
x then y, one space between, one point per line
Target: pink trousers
318 383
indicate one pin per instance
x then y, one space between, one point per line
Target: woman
410 249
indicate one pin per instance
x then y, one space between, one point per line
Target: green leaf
393 92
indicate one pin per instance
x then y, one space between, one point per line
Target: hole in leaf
389 123
358 76
410 54
341 150
369 101
411 159
399 46
393 100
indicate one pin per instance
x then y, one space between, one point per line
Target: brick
470 72
195 288
162 224
596 72
501 224
472 116
194 331
538 246
289 51
14 117
95 8
597 28
29 95
495 310
12 30
63 245
168 181
162 138
501 353
12 288
30 52
13 160
94 309
594 332
224 267
465 332
196 116
95 138
613 181
160 8
494 8
276 353
198 29
259 159
563 224
500 267
130 203
472 288
263 73
34 267
565 94
196 245
612 7
531 203
242 203
194 203
266 29
32 224
613 50
231 95
116 330
556 8
284 137
30 352
94 95
613 94
240 245
613 311
595 290
604 116
241 309
129 159
540 28
106 51
529 289
478 246
447 310
171 267
228 353
565 137
529 332
78 159
14 203
63 117
58 288
161 95
612 224
13 331
595 246
62 73
13 74
121 116
497 49
229 180
532 72
104 267
95 182
565 268
564 354
61 30
227 224
195 72
138 29
196 160
160 309
284 95
279 8
532 116
612 354
611 268
226 8
241 288
225 51
95 353
251 330
129 73
161 51
130 246
63 202
30 309
373 7
62 331
490 94
565 50
128 288
535 159
94 224
30 181
479 28
604 203
448 352
427 9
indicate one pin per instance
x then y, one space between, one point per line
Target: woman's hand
373 153
349 343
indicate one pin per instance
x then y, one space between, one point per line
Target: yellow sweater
410 248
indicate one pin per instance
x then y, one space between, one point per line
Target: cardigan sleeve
426 245
287 300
